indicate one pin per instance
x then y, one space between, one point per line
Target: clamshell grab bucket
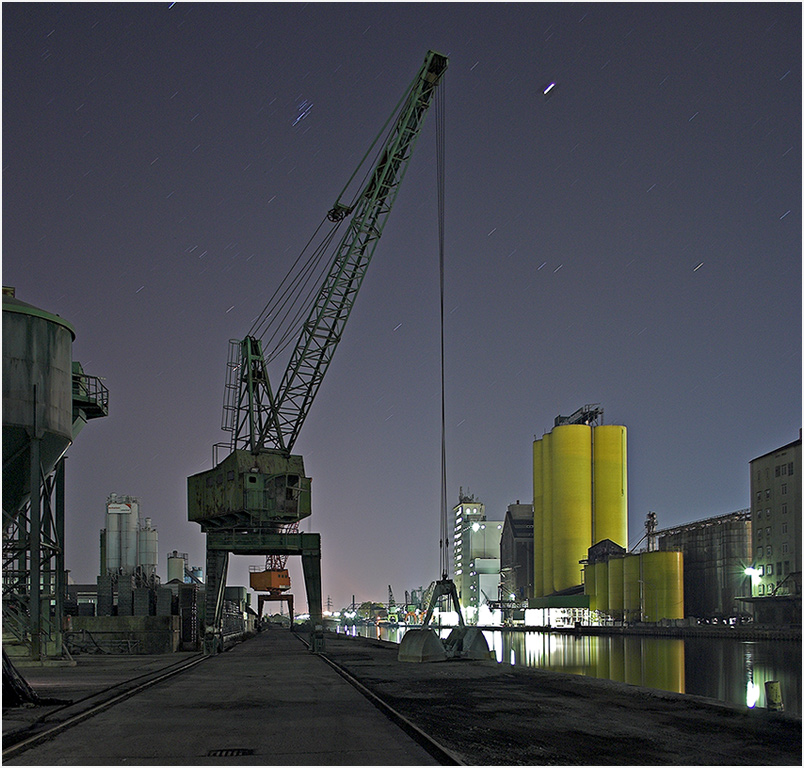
421 645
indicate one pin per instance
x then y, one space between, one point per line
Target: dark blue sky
634 241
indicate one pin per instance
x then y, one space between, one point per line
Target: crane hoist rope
283 313
250 500
259 417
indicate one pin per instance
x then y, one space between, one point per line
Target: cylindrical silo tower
632 588
37 395
571 502
538 517
112 541
616 592
663 585
46 400
589 585
610 510
547 516
601 586
148 547
175 566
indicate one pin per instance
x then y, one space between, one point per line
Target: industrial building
634 587
580 496
716 553
580 524
47 401
516 553
476 555
776 532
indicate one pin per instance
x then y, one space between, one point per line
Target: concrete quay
285 706
266 701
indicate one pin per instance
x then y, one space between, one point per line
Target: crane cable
440 147
285 311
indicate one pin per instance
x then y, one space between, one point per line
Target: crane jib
275 419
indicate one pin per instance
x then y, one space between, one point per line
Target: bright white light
751 694
475 527
549 88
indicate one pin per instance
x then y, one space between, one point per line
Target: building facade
776 523
476 554
516 553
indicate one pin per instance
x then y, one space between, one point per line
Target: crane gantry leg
259 542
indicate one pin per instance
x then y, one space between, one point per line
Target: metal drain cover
234 752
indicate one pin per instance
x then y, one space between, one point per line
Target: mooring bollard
773 696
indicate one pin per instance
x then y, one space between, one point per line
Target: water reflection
734 671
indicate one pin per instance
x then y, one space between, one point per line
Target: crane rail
40 731
428 743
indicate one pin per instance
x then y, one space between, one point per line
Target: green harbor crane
251 502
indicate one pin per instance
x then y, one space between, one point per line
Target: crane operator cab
265 491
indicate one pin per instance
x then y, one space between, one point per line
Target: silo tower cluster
580 496
129 546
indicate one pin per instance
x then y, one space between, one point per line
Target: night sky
634 241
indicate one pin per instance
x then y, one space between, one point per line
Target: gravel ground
495 714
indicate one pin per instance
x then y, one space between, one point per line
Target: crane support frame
246 503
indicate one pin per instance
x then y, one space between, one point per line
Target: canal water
730 670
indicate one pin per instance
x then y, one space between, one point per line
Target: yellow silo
663 585
538 517
616 592
602 586
589 585
632 603
571 449
610 510
547 515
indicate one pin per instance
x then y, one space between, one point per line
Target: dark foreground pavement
496 714
269 696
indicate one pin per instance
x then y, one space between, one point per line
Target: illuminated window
761 570
769 569
760 590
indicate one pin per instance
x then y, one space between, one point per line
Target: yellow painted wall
610 511
538 518
602 586
571 450
663 585
547 520
631 588
589 585
616 588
